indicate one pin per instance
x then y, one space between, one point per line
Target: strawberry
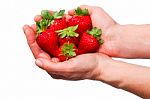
81 18
56 21
68 35
48 41
90 41
47 38
67 51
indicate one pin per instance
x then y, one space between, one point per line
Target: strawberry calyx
81 12
68 32
68 50
46 15
56 15
95 32
42 26
59 14
47 20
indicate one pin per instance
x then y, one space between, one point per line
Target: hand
31 39
101 19
30 33
49 64
86 66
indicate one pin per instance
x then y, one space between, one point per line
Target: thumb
44 63
50 66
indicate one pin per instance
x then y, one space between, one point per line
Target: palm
76 68
102 20
31 39
82 66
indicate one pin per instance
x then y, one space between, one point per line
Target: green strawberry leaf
81 12
47 20
46 15
72 53
68 32
95 32
101 41
42 26
73 28
63 35
59 14
68 50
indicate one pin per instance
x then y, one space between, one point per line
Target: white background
21 79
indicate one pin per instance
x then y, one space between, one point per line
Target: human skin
119 41
124 41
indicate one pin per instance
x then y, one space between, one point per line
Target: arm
119 41
131 41
125 41
130 77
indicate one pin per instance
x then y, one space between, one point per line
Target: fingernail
25 27
38 63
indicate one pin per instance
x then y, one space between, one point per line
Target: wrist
103 61
110 73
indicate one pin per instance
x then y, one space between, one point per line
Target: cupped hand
30 33
102 20
86 66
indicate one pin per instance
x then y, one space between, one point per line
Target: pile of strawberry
66 39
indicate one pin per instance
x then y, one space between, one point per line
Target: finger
52 67
33 26
56 76
55 60
67 17
51 12
31 39
30 34
37 18
71 12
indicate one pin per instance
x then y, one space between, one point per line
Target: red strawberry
48 41
47 38
58 24
68 35
56 21
81 18
67 51
90 41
